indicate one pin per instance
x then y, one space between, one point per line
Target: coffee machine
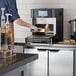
50 23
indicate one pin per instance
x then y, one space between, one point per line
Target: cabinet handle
42 49
22 73
53 50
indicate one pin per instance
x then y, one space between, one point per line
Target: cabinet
61 63
58 63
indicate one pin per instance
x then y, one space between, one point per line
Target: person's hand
34 29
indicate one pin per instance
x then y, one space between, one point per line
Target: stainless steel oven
46 25
50 23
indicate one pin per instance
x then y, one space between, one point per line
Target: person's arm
25 24
12 9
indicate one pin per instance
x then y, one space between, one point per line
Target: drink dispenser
5 47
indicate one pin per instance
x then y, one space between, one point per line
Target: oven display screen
42 13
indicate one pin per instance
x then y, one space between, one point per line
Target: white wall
24 7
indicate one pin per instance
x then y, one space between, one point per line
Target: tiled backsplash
24 11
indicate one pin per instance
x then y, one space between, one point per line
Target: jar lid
71 20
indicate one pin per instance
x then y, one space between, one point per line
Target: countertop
55 46
15 61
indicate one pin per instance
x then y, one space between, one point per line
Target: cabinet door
61 63
39 66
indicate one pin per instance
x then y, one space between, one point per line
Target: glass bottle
9 34
3 32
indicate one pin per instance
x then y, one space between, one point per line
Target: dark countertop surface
15 61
